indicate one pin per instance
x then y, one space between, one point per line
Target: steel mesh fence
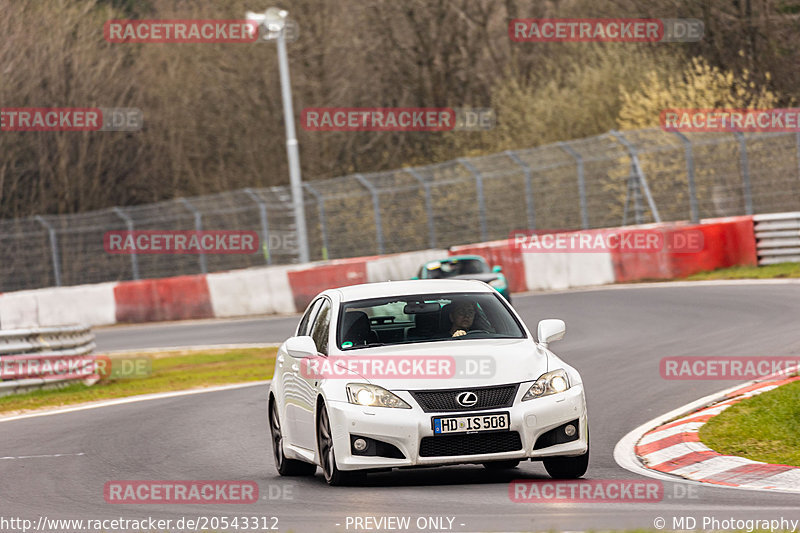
603 181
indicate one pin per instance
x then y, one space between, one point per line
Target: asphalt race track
615 337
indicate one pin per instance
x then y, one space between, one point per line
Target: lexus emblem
467 399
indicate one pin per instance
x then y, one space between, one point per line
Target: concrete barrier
288 289
726 242
308 282
499 253
85 304
155 300
19 310
257 291
400 266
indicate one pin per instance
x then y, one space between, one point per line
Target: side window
306 321
321 328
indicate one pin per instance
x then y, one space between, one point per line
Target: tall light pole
273 20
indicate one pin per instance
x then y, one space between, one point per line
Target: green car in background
466 267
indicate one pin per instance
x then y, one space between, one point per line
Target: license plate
445 425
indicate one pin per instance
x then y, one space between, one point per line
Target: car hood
465 363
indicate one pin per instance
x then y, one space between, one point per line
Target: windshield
453 267
425 318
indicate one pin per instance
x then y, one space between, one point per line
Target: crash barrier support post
198 226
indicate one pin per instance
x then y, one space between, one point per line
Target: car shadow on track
446 475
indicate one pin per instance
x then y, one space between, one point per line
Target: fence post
321 210
637 171
797 142
479 192
53 248
129 224
376 205
690 176
262 212
748 195
428 205
581 182
198 226
529 207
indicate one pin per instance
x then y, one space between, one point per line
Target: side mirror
301 347
550 330
497 268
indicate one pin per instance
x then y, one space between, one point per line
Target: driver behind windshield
462 318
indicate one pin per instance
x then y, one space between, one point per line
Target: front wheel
567 467
327 458
286 467
502 465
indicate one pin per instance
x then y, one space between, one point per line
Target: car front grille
476 444
445 400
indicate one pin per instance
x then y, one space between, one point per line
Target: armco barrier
778 238
40 344
155 300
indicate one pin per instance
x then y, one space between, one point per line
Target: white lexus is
423 373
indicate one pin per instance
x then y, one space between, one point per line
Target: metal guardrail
777 238
38 345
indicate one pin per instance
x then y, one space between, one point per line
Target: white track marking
664 433
134 399
42 456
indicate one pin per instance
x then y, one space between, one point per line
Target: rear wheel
327 458
502 465
286 467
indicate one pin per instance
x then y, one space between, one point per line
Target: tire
502 465
285 467
567 467
327 457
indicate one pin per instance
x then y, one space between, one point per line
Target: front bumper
405 428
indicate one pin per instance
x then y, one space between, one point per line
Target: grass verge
762 428
171 371
781 270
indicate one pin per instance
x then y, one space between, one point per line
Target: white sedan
421 373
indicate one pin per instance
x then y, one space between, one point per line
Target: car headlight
373 396
548 383
498 283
